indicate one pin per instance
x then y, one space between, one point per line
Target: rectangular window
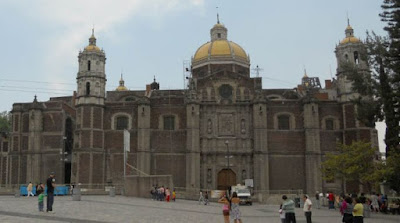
283 122
329 124
169 123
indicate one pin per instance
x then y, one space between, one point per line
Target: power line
46 82
32 91
23 87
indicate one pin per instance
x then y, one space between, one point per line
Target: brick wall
286 173
279 141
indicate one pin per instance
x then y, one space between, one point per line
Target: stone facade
224 128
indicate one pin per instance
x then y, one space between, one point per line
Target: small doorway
226 179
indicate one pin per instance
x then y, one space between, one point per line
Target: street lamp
227 150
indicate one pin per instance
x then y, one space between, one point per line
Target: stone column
261 157
312 150
88 158
34 147
143 153
193 146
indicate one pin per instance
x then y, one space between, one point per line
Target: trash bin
112 191
76 193
297 202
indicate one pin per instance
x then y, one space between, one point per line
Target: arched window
87 88
121 123
283 122
329 124
88 65
356 57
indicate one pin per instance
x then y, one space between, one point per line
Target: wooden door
226 178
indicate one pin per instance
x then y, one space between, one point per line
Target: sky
40 40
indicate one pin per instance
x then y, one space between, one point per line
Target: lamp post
227 151
227 172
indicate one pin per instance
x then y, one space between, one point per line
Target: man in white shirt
307 208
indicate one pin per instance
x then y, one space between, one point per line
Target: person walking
51 184
29 189
201 198
288 207
235 208
317 204
346 209
225 207
168 194
331 200
374 202
358 211
173 195
41 196
206 198
307 208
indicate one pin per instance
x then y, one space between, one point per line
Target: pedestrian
358 211
235 208
367 210
168 194
288 207
173 195
331 200
201 198
41 196
307 208
346 209
51 184
29 189
206 198
317 204
282 214
225 207
162 193
374 202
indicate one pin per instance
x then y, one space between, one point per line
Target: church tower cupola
219 32
91 78
350 54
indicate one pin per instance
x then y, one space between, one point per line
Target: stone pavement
96 209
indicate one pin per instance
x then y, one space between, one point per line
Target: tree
391 172
5 122
391 16
355 162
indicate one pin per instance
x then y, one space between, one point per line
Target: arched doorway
226 178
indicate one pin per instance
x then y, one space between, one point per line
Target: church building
222 129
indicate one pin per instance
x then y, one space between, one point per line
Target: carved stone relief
225 125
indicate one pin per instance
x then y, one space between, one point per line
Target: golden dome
121 88
349 27
350 39
92 48
220 48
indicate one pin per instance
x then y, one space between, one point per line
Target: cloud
73 20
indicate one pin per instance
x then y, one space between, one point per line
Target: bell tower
88 158
350 56
91 77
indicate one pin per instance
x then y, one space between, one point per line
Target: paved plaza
93 209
